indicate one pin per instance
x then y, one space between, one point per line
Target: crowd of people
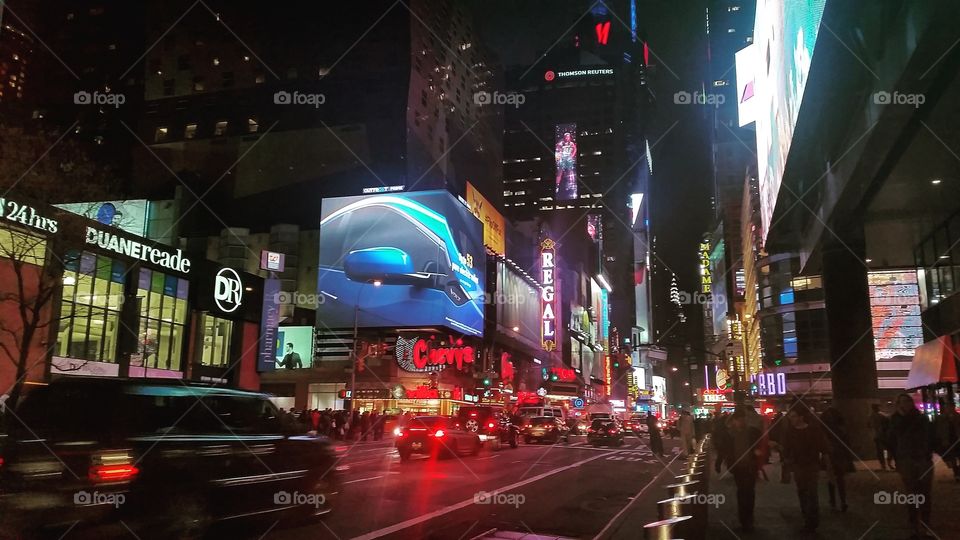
809 444
339 424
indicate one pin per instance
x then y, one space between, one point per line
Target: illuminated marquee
418 355
706 279
770 384
548 295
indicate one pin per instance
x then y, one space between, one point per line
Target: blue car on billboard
405 260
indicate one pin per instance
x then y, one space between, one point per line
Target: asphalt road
568 489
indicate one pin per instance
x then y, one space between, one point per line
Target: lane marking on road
469 502
610 524
491 457
362 480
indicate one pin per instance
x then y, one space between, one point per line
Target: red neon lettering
603 32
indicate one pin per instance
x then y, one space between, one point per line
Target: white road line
362 479
603 533
463 504
577 443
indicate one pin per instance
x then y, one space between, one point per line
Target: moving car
604 431
491 423
167 460
546 429
637 423
435 436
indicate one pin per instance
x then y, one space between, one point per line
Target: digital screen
747 61
404 260
594 227
128 216
294 347
895 310
565 154
785 33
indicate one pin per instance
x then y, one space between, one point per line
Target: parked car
605 431
435 436
167 460
549 429
491 423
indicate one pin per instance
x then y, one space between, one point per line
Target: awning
933 362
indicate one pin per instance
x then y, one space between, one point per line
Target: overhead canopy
933 362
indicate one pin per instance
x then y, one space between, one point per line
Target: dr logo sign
228 290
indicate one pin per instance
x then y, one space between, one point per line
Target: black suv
167 460
491 423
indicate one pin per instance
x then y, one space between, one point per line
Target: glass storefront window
90 307
215 345
163 316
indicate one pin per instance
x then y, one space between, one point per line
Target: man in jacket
912 441
805 451
742 461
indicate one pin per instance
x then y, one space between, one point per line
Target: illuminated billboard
897 326
785 33
404 260
294 347
549 296
494 226
747 62
565 154
129 216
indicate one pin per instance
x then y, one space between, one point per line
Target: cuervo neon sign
419 355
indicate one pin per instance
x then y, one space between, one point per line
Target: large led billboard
747 62
404 260
130 216
897 326
565 154
785 33
294 347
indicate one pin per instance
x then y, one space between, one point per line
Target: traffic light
616 364
486 381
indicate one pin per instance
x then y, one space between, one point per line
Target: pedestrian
720 440
841 457
742 461
364 425
879 424
912 438
656 440
687 435
947 427
354 424
805 450
315 420
378 421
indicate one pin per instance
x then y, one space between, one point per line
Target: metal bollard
674 507
667 529
681 489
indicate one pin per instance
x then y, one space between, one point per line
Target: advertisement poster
128 216
494 226
406 260
565 154
294 347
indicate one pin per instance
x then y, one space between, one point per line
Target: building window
90 309
198 85
215 345
259 78
163 316
252 125
220 128
160 134
190 131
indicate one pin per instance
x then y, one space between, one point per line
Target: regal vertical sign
548 295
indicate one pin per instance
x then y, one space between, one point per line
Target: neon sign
603 32
770 384
548 295
706 279
419 355
563 374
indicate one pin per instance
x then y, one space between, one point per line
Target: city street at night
479 269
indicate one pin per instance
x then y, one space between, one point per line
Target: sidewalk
777 511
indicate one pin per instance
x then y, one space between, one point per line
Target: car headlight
396 431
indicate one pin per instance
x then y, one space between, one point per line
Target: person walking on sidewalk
721 440
947 426
879 424
743 460
912 439
687 435
841 458
656 441
805 450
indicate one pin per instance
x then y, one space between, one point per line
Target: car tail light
401 433
112 467
612 431
491 425
439 433
473 414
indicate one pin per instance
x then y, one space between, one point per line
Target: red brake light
439 433
112 473
473 414
491 425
